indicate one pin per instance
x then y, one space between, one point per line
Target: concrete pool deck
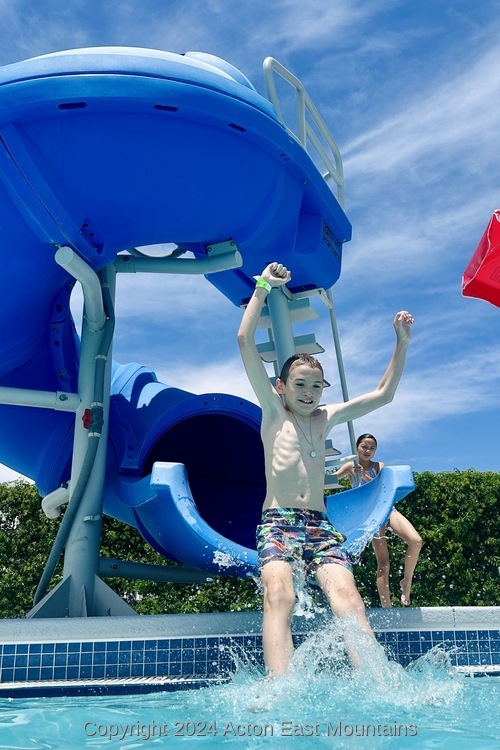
236 623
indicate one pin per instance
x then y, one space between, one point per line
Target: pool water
320 703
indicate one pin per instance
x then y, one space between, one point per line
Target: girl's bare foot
405 596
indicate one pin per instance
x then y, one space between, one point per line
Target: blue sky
411 92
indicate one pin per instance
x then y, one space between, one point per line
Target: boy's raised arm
275 274
384 392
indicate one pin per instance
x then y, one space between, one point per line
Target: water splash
320 675
321 702
306 604
222 559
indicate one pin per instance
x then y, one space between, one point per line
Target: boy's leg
340 589
379 544
279 601
407 532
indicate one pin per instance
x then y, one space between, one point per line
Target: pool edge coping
24 630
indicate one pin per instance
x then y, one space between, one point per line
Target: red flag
482 276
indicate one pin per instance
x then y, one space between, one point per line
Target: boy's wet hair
366 436
299 359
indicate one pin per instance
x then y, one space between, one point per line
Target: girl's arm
346 470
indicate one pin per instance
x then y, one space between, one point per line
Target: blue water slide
162 507
104 150
360 512
215 437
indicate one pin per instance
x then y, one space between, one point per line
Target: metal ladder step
305 343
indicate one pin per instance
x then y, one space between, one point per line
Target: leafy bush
26 538
455 512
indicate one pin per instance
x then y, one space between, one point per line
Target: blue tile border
121 658
212 655
46 653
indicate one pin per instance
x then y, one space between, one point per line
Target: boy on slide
294 523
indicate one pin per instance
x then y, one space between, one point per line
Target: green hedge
457 515
455 512
26 538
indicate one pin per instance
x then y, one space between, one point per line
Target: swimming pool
428 705
50 656
130 682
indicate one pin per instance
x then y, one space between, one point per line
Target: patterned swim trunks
293 534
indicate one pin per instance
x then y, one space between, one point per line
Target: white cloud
433 124
211 377
8 475
292 26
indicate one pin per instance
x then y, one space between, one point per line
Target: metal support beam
221 257
340 364
281 325
81 593
58 400
109 567
94 307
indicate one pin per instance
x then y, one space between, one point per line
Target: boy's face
303 389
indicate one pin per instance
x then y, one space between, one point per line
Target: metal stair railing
306 135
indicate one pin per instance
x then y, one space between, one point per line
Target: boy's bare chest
293 442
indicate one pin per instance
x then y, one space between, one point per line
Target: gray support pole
57 400
74 265
340 364
81 560
279 315
81 592
137 264
110 567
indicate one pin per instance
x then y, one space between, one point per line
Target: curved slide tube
359 513
161 506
